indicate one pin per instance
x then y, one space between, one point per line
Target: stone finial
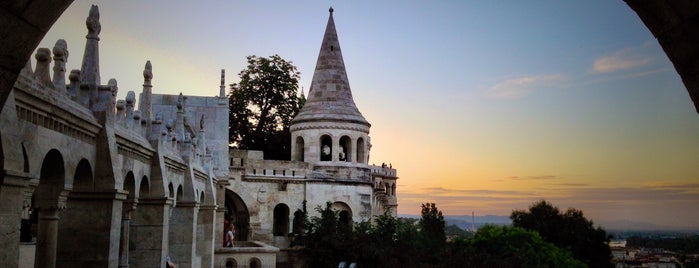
331 10
130 98
180 102
148 73
222 90
158 118
43 60
169 124
120 105
93 23
60 56
113 84
74 75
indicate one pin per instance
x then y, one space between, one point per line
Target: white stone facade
92 181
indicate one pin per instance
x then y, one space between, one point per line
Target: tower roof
330 96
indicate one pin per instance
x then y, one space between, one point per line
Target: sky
483 107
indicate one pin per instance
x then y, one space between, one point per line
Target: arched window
326 148
171 190
299 154
360 150
345 149
144 189
281 220
230 263
255 263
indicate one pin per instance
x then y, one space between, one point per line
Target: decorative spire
330 96
60 56
222 90
147 74
93 23
145 101
90 71
43 60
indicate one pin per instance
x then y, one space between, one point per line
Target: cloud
626 59
544 177
522 85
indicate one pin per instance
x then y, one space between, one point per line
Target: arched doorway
281 220
49 196
237 215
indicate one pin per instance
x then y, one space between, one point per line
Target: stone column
12 190
46 241
205 235
129 206
182 234
220 213
353 153
148 233
90 229
336 150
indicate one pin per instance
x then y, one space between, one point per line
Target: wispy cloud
626 59
522 85
544 177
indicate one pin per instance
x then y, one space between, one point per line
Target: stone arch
180 194
50 195
231 263
326 148
130 186
281 220
83 179
201 197
237 214
345 149
144 188
345 212
171 190
255 263
18 45
361 158
24 157
299 153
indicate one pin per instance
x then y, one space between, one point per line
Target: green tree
502 246
262 106
432 233
569 230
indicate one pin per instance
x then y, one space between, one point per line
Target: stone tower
329 131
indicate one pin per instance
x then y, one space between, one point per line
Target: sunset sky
482 107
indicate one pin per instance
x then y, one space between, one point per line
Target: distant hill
627 225
464 222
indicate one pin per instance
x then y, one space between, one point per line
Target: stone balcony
246 254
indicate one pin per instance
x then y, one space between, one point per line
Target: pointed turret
330 97
222 89
329 131
90 71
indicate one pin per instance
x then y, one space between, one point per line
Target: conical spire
330 97
90 71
